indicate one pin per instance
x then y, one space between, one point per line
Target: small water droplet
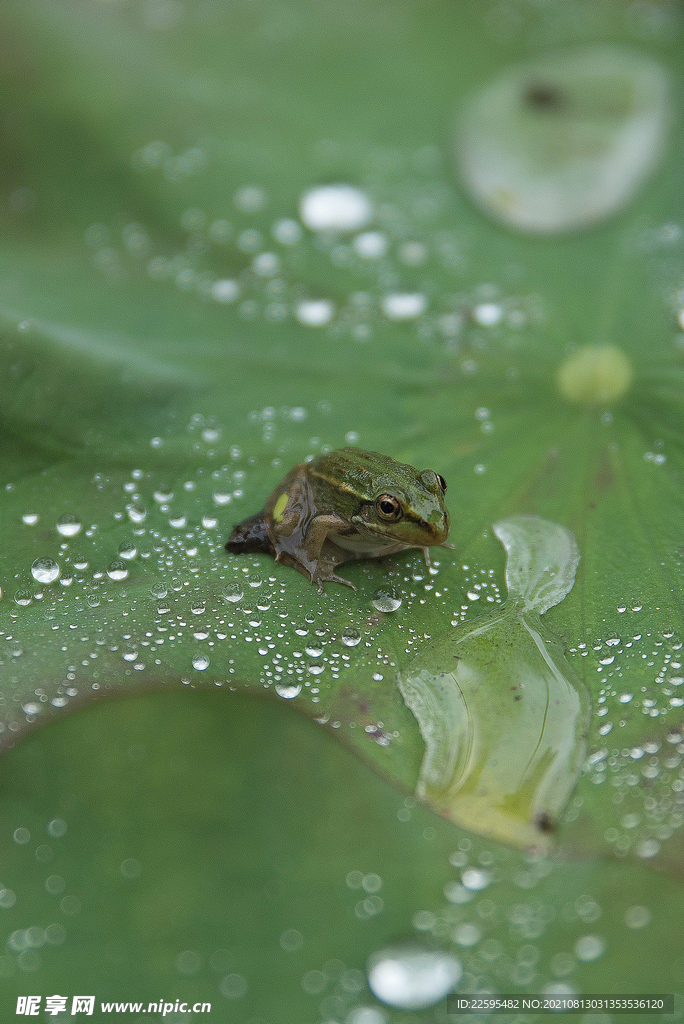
23 597
222 497
403 305
314 312
136 513
233 593
488 314
30 518
68 526
200 662
475 879
128 550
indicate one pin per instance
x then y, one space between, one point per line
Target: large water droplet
386 601
335 208
288 690
501 713
351 637
411 977
117 570
567 139
45 570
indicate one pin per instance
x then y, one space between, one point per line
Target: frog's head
405 506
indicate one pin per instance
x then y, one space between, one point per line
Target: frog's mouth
414 533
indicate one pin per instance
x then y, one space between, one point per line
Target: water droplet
351 637
45 570
287 232
136 513
200 662
68 526
288 690
30 518
335 208
410 977
266 264
159 590
233 986
233 593
386 601
314 312
505 779
23 597
590 947
371 245
403 305
475 879
467 934
128 550
488 314
567 139
638 917
117 570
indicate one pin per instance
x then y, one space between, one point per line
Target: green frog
345 505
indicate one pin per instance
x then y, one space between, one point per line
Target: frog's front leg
304 547
323 553
426 551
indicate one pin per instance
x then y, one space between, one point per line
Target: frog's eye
388 507
442 482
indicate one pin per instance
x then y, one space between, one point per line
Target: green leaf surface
160 374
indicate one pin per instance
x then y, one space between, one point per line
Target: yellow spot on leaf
596 375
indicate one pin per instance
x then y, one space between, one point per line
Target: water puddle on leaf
503 717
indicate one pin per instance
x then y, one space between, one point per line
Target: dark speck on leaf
544 96
543 822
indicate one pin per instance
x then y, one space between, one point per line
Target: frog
344 505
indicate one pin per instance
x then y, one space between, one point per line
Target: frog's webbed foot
334 579
448 544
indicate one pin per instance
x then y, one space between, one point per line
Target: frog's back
351 470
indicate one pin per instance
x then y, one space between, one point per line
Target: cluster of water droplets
384 235
645 775
23 946
148 591
482 941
